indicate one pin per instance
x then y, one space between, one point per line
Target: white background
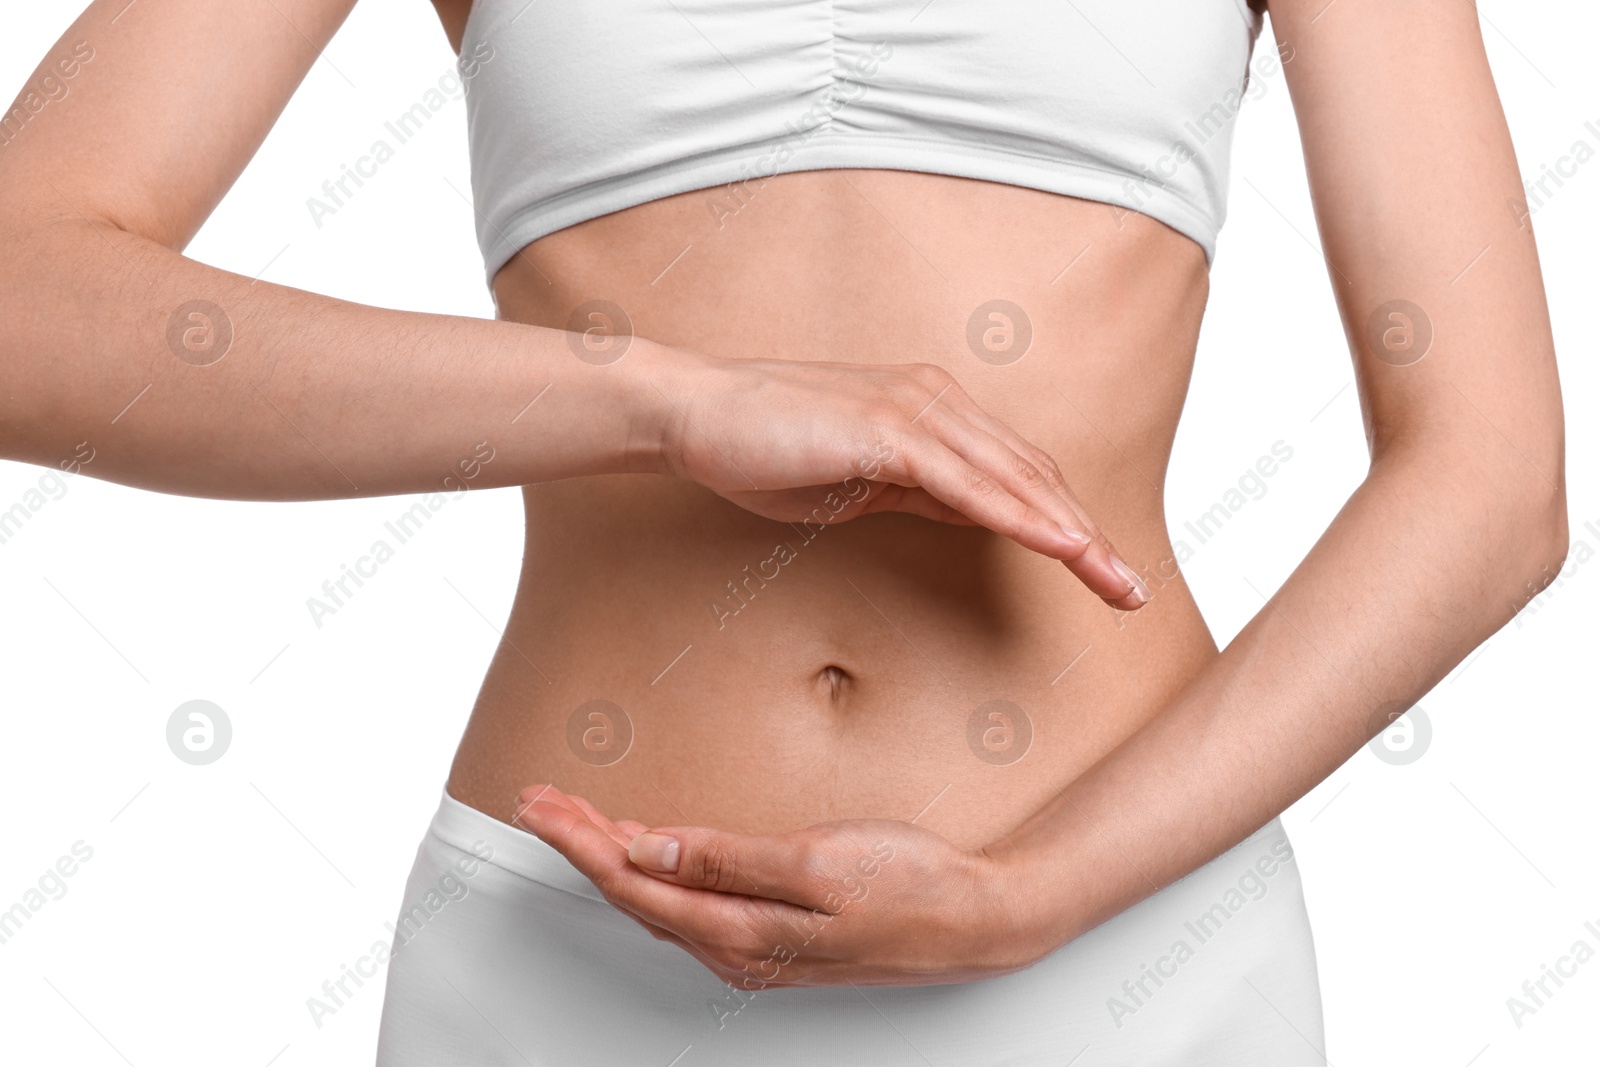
219 898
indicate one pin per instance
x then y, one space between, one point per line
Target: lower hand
857 901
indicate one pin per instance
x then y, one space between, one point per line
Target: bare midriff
677 660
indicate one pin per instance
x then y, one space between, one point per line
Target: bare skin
844 685
770 355
1461 519
843 688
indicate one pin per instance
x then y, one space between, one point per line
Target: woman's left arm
1460 520
1462 516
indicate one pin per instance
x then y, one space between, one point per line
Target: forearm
314 397
1429 557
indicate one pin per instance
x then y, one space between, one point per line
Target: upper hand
859 901
793 440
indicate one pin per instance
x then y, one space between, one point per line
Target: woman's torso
758 689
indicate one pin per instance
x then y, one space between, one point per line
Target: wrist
659 382
1042 903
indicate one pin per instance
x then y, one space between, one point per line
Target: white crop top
578 108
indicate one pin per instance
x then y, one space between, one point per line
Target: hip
506 954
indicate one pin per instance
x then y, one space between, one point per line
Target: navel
834 680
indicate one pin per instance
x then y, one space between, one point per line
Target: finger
705 923
1138 593
744 978
576 804
981 497
617 833
801 504
661 933
715 966
1046 464
569 830
1009 467
926 462
1100 569
911 500
784 867
532 794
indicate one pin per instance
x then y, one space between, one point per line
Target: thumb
694 856
658 853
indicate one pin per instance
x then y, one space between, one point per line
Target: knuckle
981 486
1051 469
892 413
883 412
751 948
919 384
1019 468
728 965
712 865
905 450
735 958
814 866
606 881
743 945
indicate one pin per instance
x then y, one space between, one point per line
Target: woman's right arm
102 188
128 135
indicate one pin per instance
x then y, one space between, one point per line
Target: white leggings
506 954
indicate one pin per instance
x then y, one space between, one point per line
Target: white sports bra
578 108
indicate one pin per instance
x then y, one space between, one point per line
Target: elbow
1505 506
1537 532
1506 474
1548 533
1545 510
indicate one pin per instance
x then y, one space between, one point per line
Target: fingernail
526 799
1139 591
655 852
1078 538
